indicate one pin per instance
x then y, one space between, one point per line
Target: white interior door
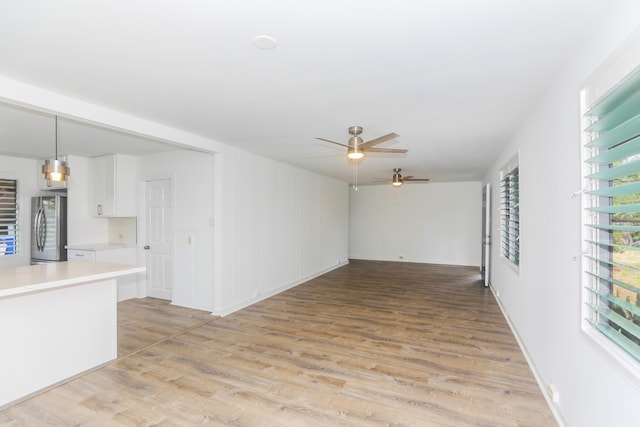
159 246
486 234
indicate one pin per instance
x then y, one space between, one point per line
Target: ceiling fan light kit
355 153
397 178
356 148
56 170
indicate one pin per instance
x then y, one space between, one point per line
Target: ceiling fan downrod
355 152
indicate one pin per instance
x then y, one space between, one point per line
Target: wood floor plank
142 322
371 343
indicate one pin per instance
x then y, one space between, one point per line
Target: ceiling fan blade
379 140
333 142
415 179
386 150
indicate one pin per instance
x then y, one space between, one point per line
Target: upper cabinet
112 186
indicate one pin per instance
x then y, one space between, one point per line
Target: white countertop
100 246
33 278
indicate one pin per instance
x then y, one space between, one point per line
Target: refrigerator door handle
43 236
41 229
36 223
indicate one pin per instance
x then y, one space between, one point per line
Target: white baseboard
246 303
407 259
556 410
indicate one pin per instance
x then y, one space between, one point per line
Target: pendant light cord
56 137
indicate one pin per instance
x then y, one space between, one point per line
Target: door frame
485 264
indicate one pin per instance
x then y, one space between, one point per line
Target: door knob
147 247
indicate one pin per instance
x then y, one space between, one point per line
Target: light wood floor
369 344
148 321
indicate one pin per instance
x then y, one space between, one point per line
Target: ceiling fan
398 179
356 147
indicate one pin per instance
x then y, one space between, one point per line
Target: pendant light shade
56 170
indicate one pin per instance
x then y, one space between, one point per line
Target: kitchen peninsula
56 321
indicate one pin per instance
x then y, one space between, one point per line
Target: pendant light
56 170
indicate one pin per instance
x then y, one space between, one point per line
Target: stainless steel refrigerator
48 229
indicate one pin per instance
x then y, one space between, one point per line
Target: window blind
510 212
8 217
612 215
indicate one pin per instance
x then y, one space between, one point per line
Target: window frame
589 97
510 212
17 247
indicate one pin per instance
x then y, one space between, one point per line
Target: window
510 212
8 217
611 214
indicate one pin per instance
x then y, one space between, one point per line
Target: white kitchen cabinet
112 186
81 255
118 256
114 254
127 285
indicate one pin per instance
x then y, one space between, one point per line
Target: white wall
25 171
274 226
192 175
437 223
278 226
543 301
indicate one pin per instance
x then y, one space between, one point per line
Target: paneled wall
246 227
436 223
279 226
191 174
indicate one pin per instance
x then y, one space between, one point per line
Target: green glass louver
612 215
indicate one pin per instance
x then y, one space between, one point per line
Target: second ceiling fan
398 179
357 147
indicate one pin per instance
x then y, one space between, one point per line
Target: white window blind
8 217
510 212
611 215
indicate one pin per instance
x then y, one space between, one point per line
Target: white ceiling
454 78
